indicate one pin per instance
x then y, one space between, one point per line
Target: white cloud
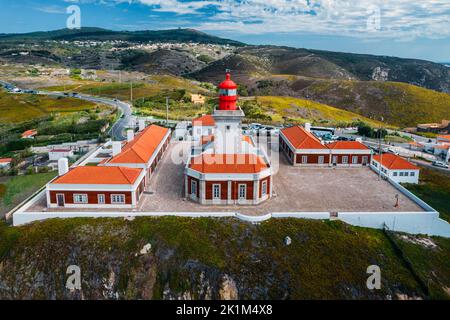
402 19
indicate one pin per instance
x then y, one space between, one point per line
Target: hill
215 258
98 34
328 65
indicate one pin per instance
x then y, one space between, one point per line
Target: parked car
390 150
440 164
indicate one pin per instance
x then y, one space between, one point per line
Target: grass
301 110
18 188
326 260
434 189
15 108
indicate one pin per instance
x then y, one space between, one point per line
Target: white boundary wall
410 222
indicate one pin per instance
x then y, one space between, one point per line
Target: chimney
63 166
130 135
141 124
116 148
308 127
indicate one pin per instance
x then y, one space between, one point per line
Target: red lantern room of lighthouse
228 94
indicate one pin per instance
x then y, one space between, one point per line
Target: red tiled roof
204 121
444 137
302 139
394 162
5 160
29 133
99 176
143 146
347 145
228 163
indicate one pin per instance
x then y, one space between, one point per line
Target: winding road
117 130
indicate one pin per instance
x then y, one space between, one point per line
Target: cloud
402 19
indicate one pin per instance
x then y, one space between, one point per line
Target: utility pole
167 110
131 92
380 150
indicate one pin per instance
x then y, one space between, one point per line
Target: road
117 130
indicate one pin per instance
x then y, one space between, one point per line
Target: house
303 148
117 182
197 99
396 168
229 169
143 150
443 127
443 139
56 154
29 134
5 163
203 126
96 187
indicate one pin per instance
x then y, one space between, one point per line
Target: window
304 159
101 199
194 187
345 159
225 92
401 174
242 192
228 128
412 173
355 159
80 198
395 174
375 164
321 159
365 160
264 188
216 191
335 159
406 174
117 199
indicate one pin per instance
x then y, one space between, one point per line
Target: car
440 164
390 150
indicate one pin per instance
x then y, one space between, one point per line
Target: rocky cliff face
172 258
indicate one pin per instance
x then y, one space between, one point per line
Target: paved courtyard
296 190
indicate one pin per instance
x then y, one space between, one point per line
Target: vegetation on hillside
210 258
434 189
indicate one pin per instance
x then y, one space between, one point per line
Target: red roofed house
96 187
116 183
29 134
203 126
443 139
396 168
303 148
143 151
5 163
229 169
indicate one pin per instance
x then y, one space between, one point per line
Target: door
60 200
242 192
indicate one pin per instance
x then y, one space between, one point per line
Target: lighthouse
228 94
228 117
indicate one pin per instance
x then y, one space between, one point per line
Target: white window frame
321 159
334 160
304 159
194 186
63 197
115 196
99 197
395 174
412 174
344 159
355 159
83 196
245 191
216 187
264 188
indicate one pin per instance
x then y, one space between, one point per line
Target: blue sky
404 28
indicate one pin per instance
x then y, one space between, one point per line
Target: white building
396 168
203 126
5 163
56 154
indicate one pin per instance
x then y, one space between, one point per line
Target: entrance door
60 200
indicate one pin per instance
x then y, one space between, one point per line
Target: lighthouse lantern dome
228 94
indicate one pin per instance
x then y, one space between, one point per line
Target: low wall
410 222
